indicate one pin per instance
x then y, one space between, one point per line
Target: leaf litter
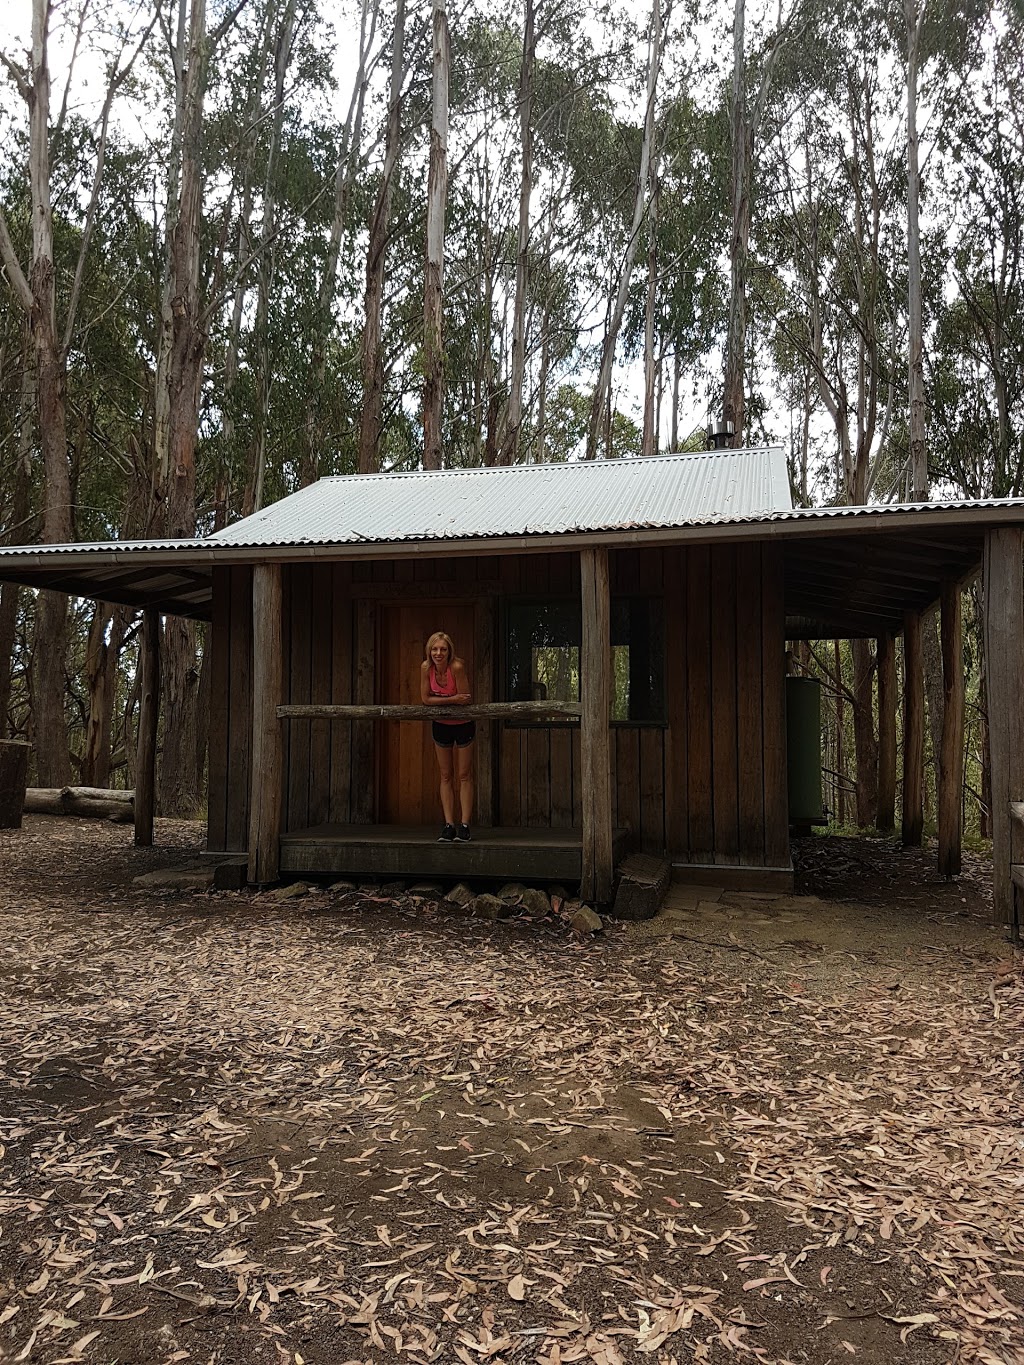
351 1130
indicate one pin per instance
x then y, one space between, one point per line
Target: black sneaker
447 835
463 834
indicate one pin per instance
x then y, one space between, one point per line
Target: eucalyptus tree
976 374
750 85
433 286
647 169
33 280
370 432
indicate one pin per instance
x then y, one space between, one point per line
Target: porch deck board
535 854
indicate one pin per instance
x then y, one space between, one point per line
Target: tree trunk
840 723
918 447
886 816
864 733
951 761
267 258
437 194
931 655
53 761
649 440
742 150
648 169
19 534
243 247
676 367
179 794
510 451
370 429
344 177
913 733
100 675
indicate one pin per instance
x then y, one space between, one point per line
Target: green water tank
803 751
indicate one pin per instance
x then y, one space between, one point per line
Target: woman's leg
444 764
466 782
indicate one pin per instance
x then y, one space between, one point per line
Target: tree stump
13 779
643 881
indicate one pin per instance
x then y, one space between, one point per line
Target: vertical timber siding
230 711
726 756
707 787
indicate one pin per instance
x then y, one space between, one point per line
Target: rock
369 886
392 889
586 921
512 891
291 892
180 879
535 902
427 889
489 907
461 894
341 888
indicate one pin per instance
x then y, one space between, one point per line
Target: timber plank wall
708 786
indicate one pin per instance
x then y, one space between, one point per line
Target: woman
443 682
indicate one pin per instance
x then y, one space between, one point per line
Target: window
542 655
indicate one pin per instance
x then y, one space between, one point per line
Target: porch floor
414 851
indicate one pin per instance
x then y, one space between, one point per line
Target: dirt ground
347 1128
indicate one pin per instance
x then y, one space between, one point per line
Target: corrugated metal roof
460 504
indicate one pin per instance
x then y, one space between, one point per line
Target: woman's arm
425 695
463 696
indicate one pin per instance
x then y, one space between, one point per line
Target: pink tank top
449 689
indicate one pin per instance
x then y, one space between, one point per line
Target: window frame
570 723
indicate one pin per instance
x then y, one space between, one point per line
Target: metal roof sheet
460 504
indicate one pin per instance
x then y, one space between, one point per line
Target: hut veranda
624 624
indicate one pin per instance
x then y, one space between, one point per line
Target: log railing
490 710
1016 868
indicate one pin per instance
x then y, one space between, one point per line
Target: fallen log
94 803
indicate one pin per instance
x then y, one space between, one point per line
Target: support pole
886 817
267 779
595 733
1004 669
951 757
913 732
149 716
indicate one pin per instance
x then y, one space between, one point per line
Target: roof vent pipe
720 436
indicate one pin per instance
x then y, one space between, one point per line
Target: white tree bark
437 195
650 428
604 380
918 445
371 359
510 450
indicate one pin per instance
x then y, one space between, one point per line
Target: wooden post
886 817
951 757
267 779
595 735
913 732
1004 669
149 715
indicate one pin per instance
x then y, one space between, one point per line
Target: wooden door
407 776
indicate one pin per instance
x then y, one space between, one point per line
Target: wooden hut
625 625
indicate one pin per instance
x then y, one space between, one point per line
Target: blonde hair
438 636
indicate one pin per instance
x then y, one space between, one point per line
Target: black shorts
458 735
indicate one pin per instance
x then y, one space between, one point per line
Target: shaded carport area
850 573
